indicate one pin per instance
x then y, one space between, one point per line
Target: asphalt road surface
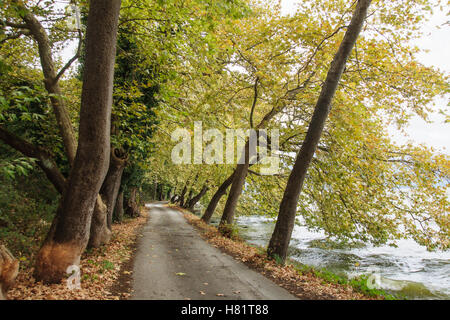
173 262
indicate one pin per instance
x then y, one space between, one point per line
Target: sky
437 41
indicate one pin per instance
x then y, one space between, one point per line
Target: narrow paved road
173 262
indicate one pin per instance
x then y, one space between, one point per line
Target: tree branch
72 60
255 98
45 161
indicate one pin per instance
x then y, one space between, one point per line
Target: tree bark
221 191
196 199
9 268
155 191
99 233
111 185
188 199
118 209
281 236
182 195
167 197
239 176
159 191
101 224
233 197
132 206
69 234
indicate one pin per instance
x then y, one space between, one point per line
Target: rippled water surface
408 269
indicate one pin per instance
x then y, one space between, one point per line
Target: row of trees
88 130
348 178
101 132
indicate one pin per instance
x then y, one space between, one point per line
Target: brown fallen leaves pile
101 270
304 285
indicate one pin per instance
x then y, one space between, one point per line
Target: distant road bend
173 262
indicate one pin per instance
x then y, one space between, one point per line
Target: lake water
408 269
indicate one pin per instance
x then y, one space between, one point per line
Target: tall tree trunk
69 233
110 188
233 197
182 195
186 203
9 268
132 207
99 233
118 209
196 199
167 197
101 224
239 176
221 191
159 189
281 236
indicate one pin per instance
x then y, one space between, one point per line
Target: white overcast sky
437 41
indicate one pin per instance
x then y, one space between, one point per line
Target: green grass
358 283
107 265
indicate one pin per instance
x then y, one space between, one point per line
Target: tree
221 191
69 233
192 202
281 236
383 84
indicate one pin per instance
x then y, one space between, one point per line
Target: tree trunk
101 224
195 199
189 198
118 209
182 196
69 234
99 233
281 236
111 186
9 268
236 187
233 197
155 191
159 191
132 206
167 197
216 198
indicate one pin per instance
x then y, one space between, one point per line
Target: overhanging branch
45 161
